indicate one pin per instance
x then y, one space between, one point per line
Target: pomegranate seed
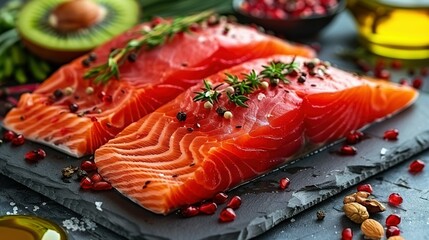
41 153
382 74
363 65
392 231
220 198
8 136
101 185
395 199
396 64
101 95
393 220
348 150
18 140
88 166
31 157
404 82
284 183
208 208
347 234
416 166
86 183
365 188
234 203
417 83
391 134
96 177
424 71
354 137
190 211
227 215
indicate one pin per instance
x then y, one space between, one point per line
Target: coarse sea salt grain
98 206
35 208
383 151
74 224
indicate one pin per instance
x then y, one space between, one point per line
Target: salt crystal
43 203
292 220
261 96
12 204
98 206
73 224
35 208
383 151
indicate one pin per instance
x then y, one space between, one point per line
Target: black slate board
313 179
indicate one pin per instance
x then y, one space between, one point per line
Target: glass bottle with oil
393 28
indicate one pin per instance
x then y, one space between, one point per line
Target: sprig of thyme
157 36
238 89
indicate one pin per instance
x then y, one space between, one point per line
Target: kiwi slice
61 30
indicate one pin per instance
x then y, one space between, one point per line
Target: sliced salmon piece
163 164
157 76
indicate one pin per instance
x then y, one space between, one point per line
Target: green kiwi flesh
61 47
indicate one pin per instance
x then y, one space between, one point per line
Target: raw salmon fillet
163 164
156 77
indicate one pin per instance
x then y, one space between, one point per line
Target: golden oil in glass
393 28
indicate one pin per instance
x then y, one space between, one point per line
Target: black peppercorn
301 79
132 57
58 94
73 107
86 62
181 116
220 111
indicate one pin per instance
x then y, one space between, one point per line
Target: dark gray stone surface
314 179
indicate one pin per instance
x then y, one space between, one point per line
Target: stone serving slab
313 179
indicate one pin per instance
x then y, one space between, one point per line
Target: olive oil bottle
23 227
393 28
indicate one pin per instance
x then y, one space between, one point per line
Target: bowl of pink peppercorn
294 19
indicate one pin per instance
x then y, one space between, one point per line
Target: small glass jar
393 28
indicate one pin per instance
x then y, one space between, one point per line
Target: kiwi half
61 30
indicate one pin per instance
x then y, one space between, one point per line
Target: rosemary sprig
238 90
157 36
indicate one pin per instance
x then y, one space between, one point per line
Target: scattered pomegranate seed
227 215
208 208
365 188
347 234
393 220
404 81
8 136
424 71
190 211
31 157
348 150
86 183
41 153
284 183
363 65
392 231
396 64
101 185
220 198
88 166
354 137
395 199
391 134
416 166
18 140
96 177
382 74
417 82
234 203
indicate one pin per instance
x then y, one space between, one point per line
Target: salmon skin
163 162
76 116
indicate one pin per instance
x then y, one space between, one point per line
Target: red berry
227 215
208 208
88 166
393 220
31 157
41 153
220 198
391 134
417 83
416 166
18 140
234 203
190 211
348 150
354 137
382 74
365 188
8 136
86 183
395 199
347 234
96 177
284 183
363 65
392 231
101 185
